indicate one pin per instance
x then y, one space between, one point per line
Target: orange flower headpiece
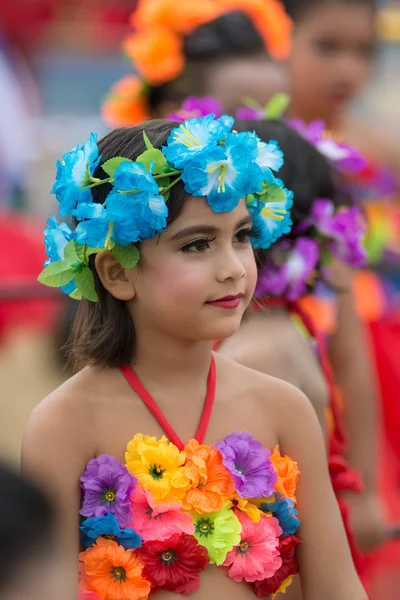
156 46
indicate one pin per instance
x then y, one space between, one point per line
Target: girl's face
333 49
195 281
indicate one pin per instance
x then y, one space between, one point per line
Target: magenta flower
346 158
257 556
345 230
249 463
197 107
247 113
107 486
290 268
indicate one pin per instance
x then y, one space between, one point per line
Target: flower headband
156 46
205 154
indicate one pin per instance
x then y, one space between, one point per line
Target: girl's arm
326 566
54 454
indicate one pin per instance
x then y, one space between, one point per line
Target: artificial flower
88 595
269 156
74 172
248 113
249 463
194 136
194 107
283 577
106 487
249 508
135 178
211 483
219 532
174 564
126 103
225 175
283 509
272 219
288 474
112 572
108 528
345 228
183 18
158 521
94 224
289 269
256 557
156 54
345 157
158 465
56 237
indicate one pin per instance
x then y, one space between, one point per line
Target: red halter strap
144 395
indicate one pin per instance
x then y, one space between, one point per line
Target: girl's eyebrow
210 229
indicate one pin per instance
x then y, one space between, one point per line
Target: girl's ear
116 280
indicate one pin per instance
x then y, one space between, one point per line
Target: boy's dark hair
103 333
26 524
232 34
296 9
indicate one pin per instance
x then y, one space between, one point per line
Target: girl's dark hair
103 333
296 9
26 524
232 34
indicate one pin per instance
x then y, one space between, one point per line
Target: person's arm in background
354 373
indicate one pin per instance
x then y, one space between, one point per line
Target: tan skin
335 42
97 412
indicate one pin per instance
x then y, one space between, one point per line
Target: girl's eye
327 46
243 236
200 245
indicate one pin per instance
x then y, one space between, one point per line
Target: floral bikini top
172 509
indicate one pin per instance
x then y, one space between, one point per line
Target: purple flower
289 270
107 486
345 230
247 113
346 158
250 465
197 107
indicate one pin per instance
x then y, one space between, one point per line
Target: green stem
96 183
110 230
163 190
85 260
161 175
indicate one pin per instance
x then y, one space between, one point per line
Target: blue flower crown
205 154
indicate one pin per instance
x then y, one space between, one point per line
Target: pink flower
257 556
158 521
88 595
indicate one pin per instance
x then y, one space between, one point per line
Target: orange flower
126 104
182 17
157 54
288 474
112 572
211 483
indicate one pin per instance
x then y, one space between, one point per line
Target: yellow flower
158 465
247 507
284 586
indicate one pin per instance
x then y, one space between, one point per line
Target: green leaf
164 182
111 165
155 156
247 101
76 295
127 256
85 284
70 252
277 106
56 274
147 142
272 192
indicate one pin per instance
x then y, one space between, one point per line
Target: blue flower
270 156
283 510
73 173
93 228
56 237
134 176
107 526
135 220
271 220
225 175
195 135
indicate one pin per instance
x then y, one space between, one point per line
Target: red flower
175 564
287 547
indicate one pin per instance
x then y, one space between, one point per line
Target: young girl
143 335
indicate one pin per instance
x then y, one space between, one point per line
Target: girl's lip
227 302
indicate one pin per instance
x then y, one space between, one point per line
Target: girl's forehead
198 212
